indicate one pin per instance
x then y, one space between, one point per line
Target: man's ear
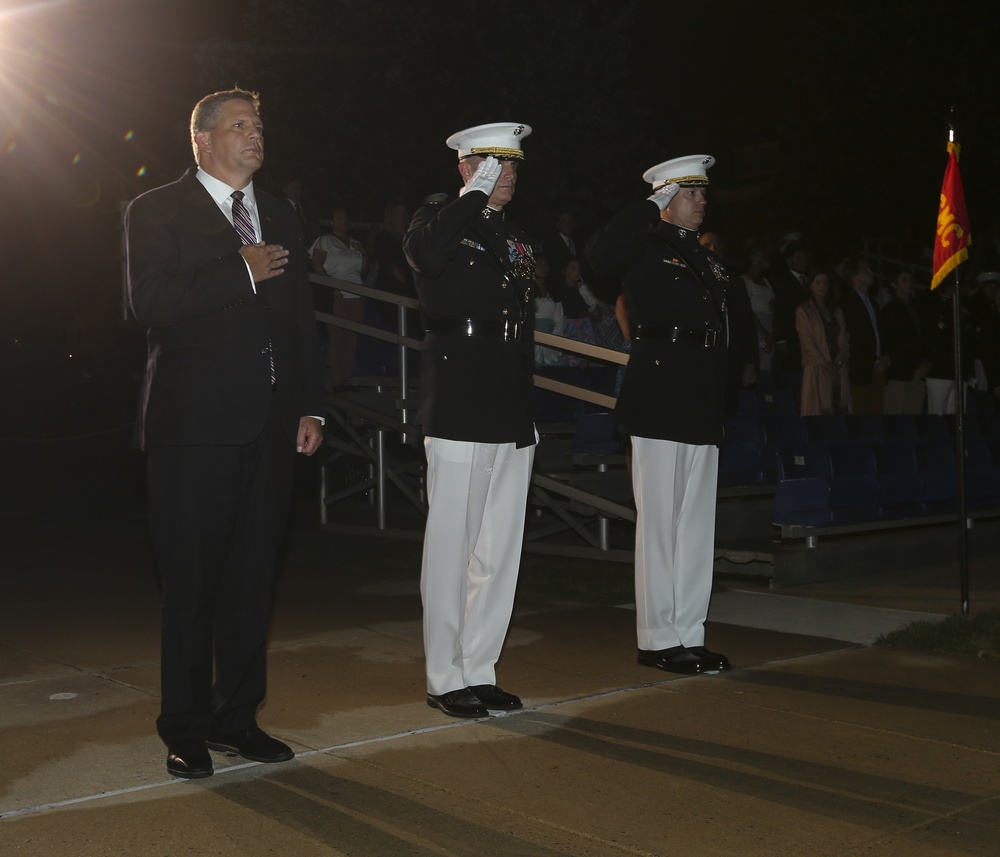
204 141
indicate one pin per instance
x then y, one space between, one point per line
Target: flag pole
951 249
963 521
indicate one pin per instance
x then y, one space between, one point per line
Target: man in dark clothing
475 278
902 337
868 360
233 388
672 404
790 282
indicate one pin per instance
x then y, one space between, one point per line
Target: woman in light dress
342 257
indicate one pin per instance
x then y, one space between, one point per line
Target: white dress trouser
476 494
675 487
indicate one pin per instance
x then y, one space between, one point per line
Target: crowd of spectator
844 337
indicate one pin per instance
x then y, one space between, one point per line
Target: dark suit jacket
672 390
473 388
208 372
864 353
902 339
789 294
557 253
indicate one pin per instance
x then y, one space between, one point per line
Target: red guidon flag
951 243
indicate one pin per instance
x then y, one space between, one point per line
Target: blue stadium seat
855 458
897 426
901 486
601 378
744 428
932 426
747 402
551 407
766 382
595 434
777 401
854 486
864 427
804 460
828 428
784 429
989 425
802 501
982 476
855 498
740 464
936 460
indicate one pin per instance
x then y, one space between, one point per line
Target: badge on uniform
522 259
720 273
675 261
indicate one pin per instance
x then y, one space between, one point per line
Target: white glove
663 194
485 177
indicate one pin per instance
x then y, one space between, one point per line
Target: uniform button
505 312
444 357
657 362
472 261
504 285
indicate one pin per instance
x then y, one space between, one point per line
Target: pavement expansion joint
334 748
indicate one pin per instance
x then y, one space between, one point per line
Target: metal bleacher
372 469
784 480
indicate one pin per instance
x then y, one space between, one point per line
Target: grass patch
978 636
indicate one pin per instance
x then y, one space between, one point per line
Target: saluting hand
663 194
265 260
485 177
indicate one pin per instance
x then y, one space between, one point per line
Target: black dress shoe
676 659
189 759
712 661
495 699
458 703
253 744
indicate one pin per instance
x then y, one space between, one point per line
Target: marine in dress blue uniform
475 279
672 404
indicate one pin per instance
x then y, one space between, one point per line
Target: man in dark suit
291 193
672 405
868 362
475 278
233 387
559 244
790 281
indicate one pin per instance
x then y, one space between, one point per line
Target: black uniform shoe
253 744
676 659
458 703
495 699
712 661
189 759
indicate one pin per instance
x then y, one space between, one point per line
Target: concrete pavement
816 744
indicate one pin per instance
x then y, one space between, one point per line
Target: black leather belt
708 337
509 330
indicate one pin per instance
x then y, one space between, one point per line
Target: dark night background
826 117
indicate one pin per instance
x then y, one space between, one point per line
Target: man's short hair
794 247
206 112
852 267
